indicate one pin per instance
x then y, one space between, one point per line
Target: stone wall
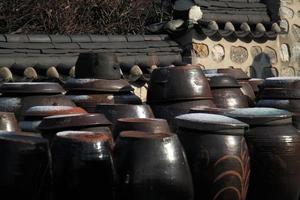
281 52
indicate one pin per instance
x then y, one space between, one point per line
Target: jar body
83 170
219 164
153 169
229 98
275 162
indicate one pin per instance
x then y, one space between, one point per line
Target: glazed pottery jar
83 166
113 112
75 122
175 90
282 93
243 80
87 93
24 169
8 122
217 154
227 93
34 115
18 97
98 65
161 173
274 146
150 125
178 83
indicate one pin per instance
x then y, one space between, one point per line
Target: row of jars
244 153
172 91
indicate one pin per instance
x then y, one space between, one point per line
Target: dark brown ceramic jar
83 166
281 93
217 154
177 83
161 173
98 65
25 167
150 125
18 97
274 146
236 73
73 122
113 112
87 93
175 90
34 115
227 93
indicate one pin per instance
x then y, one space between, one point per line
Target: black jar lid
261 116
98 85
224 81
61 122
25 139
28 88
211 123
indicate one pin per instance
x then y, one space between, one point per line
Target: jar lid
281 82
211 122
60 122
261 116
223 82
31 88
44 111
23 139
98 85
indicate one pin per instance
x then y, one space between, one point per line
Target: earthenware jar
113 112
236 73
83 166
274 146
8 122
22 95
227 93
178 83
34 115
174 90
161 173
73 122
98 65
217 154
87 93
149 125
25 167
282 93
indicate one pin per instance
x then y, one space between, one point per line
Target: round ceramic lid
259 116
43 111
31 88
73 120
282 82
210 122
223 82
98 85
